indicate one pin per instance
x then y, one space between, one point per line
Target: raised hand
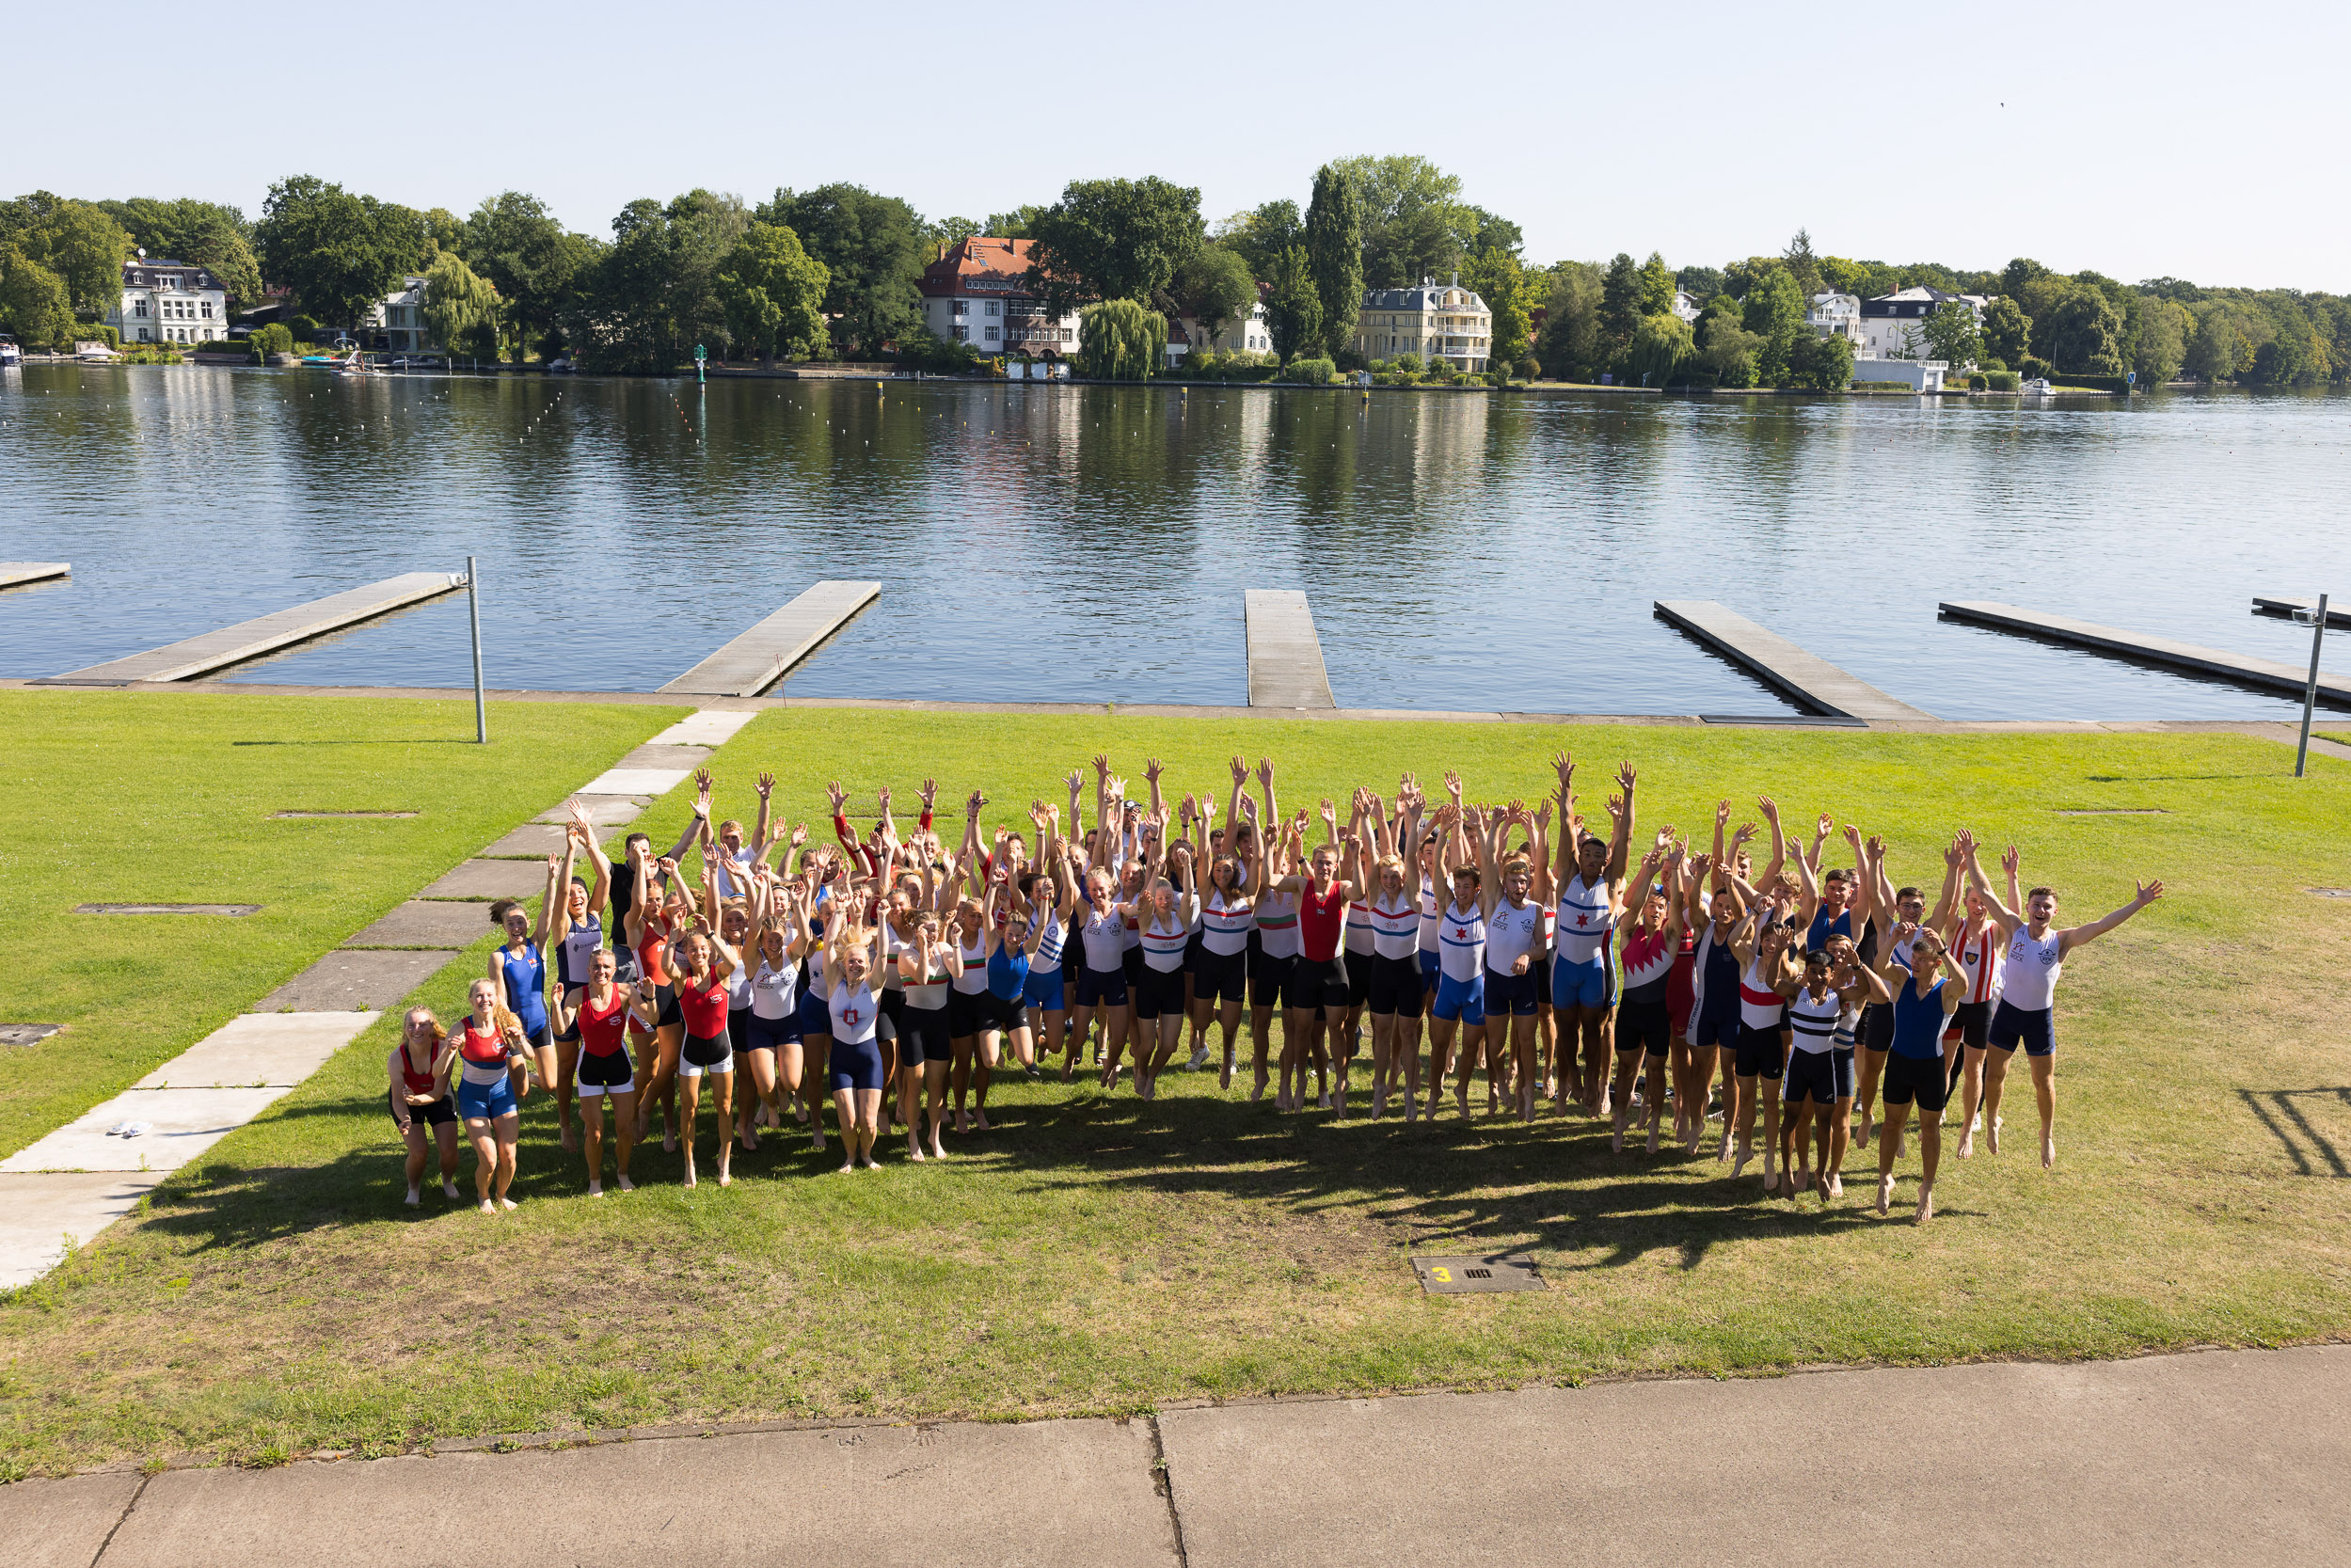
1151 770
2010 860
1722 814
1265 771
1853 836
1738 839
767 785
1625 776
2149 892
838 794
1102 765
1076 781
1452 785
800 835
702 792
1827 824
1564 766
1239 765
1769 808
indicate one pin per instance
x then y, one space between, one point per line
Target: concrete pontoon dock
14 573
1285 655
2189 656
213 651
758 660
1804 678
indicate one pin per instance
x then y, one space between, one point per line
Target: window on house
963 334
996 308
963 306
993 333
143 338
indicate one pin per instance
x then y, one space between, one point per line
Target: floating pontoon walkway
1285 655
247 640
1807 679
2336 615
2194 660
756 660
15 572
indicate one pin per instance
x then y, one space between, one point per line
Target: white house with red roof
977 294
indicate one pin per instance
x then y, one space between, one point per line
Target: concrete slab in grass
1085 1498
709 726
532 841
604 811
2222 1457
279 1049
181 1125
345 981
652 754
427 922
489 880
40 1215
637 781
62 1524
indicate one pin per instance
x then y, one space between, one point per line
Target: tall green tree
81 245
874 249
1951 334
1620 305
2084 335
773 291
1775 311
1012 225
1260 235
2007 332
212 236
2160 344
338 253
461 306
1214 288
1293 306
1803 264
1569 347
1656 286
1121 340
513 239
1819 364
1113 239
1501 282
35 307
1725 345
1661 343
947 234
1415 224
1334 251
654 295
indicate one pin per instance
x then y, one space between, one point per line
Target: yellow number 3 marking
1443 1275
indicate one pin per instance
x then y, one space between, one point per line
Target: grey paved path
2235 1458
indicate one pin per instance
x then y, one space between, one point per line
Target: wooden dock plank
2189 656
2283 606
248 640
15 572
758 660
1285 653
1804 678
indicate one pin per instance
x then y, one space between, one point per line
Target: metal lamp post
2317 621
473 606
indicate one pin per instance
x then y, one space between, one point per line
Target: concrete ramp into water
1804 678
2192 658
250 640
759 658
1285 655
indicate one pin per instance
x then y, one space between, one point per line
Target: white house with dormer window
170 302
396 322
1436 321
1893 327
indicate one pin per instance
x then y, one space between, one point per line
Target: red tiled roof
981 265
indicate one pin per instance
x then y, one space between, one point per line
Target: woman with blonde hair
418 1071
494 1058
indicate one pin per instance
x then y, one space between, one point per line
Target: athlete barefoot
1825 1003
1645 1029
599 1022
2037 949
422 1106
493 1056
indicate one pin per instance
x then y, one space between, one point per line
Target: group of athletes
895 968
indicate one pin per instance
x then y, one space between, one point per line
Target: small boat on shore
10 354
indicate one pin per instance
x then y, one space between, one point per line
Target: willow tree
1119 340
461 306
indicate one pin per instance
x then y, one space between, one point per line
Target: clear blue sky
2140 140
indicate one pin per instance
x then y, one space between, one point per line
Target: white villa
1834 315
398 318
170 302
1890 322
977 294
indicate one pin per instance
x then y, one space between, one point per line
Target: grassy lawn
1096 1254
113 798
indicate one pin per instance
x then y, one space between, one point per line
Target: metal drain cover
168 908
1498 1270
2332 892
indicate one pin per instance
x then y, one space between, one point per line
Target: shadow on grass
1475 1185
2305 1145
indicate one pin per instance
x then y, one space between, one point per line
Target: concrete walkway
2233 1457
59 1193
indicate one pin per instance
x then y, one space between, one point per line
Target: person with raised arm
1922 1006
422 1106
1315 997
698 965
1220 980
1460 1001
1514 932
1591 882
1890 909
575 934
2036 950
1714 985
1167 910
768 1042
1645 1028
518 964
928 964
657 913
1051 891
851 957
1824 1000
1761 944
1276 952
597 1020
1394 995
1975 945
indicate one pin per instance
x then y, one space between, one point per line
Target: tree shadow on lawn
2305 1144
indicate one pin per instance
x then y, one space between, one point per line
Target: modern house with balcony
1436 321
395 323
977 294
1893 327
1836 315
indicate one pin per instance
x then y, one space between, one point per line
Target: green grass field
111 797
1092 1253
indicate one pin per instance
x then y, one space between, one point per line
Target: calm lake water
1092 544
